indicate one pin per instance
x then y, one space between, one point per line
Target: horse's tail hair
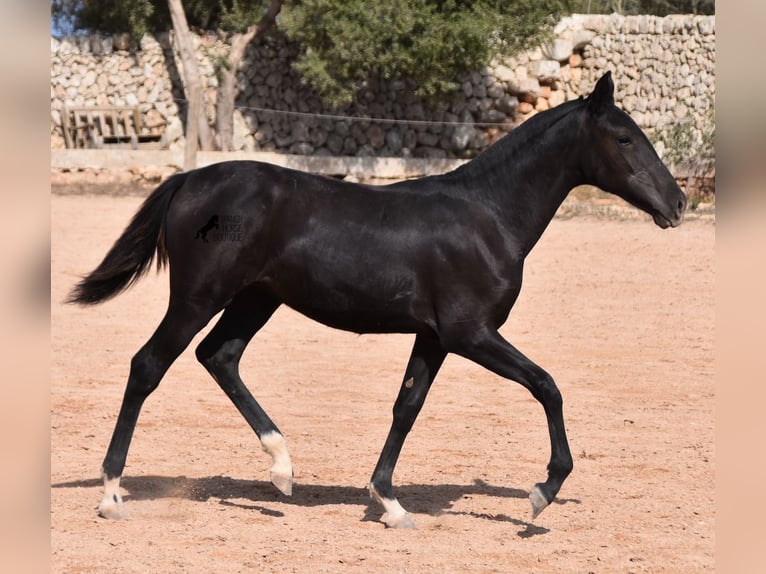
131 255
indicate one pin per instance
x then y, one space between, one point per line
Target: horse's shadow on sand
433 500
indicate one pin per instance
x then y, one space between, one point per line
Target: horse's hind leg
181 322
220 353
426 359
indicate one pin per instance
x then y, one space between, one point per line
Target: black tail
132 254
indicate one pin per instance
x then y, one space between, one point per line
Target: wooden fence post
192 128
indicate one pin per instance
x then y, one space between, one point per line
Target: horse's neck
526 176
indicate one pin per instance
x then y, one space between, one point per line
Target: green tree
430 41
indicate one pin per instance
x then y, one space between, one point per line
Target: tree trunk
227 92
195 118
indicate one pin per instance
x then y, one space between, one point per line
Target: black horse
440 257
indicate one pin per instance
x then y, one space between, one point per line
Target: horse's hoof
538 501
112 511
402 522
283 482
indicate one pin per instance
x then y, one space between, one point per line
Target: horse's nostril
681 204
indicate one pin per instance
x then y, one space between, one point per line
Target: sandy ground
621 314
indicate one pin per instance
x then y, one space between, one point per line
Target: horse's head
620 159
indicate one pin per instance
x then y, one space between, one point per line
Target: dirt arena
621 314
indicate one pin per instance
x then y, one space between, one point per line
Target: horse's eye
623 140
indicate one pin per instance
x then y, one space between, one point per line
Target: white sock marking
111 505
274 444
393 509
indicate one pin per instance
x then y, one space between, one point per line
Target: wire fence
366 119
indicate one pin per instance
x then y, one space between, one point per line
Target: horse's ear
602 95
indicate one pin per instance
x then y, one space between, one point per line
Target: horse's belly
360 306
362 321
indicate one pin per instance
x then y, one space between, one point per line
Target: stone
376 136
83 44
461 136
409 140
174 129
706 25
428 152
414 112
335 143
556 98
535 54
507 104
89 79
302 148
559 50
394 140
492 117
284 140
349 146
358 133
680 111
504 74
427 139
495 91
274 80
528 90
341 128
575 61
545 70
122 42
365 151
300 132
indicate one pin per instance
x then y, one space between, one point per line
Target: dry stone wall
663 68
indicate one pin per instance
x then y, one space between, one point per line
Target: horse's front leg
489 349
425 360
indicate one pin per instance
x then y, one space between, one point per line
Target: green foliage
238 15
140 16
688 142
652 7
691 145
429 41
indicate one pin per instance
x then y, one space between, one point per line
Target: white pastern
275 445
395 516
111 505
